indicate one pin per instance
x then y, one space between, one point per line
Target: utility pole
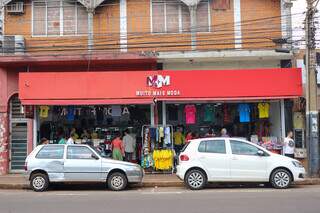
312 132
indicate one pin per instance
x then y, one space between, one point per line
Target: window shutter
69 15
158 25
82 19
172 11
202 17
39 17
221 4
53 17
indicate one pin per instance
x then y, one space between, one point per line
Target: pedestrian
224 133
44 141
289 145
129 145
70 139
117 147
210 134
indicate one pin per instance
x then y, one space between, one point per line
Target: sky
299 6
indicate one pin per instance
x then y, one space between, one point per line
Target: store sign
130 87
158 81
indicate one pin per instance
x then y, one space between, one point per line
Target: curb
149 184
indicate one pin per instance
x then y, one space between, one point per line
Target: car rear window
51 152
213 146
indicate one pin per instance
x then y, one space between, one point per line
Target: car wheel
39 182
195 179
281 179
117 181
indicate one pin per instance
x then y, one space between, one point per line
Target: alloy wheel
282 179
195 180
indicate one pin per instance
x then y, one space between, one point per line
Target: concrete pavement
17 181
159 200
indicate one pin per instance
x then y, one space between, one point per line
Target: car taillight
184 157
25 166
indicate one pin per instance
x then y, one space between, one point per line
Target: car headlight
297 164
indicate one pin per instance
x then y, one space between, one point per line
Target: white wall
221 65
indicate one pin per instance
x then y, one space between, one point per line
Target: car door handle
234 158
202 157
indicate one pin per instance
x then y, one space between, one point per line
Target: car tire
281 179
117 181
195 179
39 182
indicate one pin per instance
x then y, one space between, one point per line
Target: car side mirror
95 157
260 153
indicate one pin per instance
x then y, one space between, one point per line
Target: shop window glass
79 152
213 146
51 152
241 148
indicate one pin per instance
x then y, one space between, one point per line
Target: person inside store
61 136
224 132
70 139
129 145
179 139
188 136
94 135
117 147
74 133
289 145
195 135
44 141
210 134
85 134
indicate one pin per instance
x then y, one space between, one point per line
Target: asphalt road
302 199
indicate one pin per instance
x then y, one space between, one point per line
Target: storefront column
4 152
152 114
35 127
164 113
283 120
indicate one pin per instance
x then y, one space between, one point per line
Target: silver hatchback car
77 163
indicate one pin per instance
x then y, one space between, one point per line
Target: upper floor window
58 17
173 16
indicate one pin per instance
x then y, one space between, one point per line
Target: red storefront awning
142 87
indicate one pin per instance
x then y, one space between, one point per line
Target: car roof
220 138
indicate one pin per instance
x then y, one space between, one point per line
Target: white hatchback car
235 160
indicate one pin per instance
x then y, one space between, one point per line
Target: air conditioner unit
12 44
15 8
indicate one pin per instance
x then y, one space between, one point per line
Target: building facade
162 62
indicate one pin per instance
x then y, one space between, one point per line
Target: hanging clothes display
70 113
209 112
44 111
264 110
163 159
157 154
226 115
116 110
190 111
244 112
